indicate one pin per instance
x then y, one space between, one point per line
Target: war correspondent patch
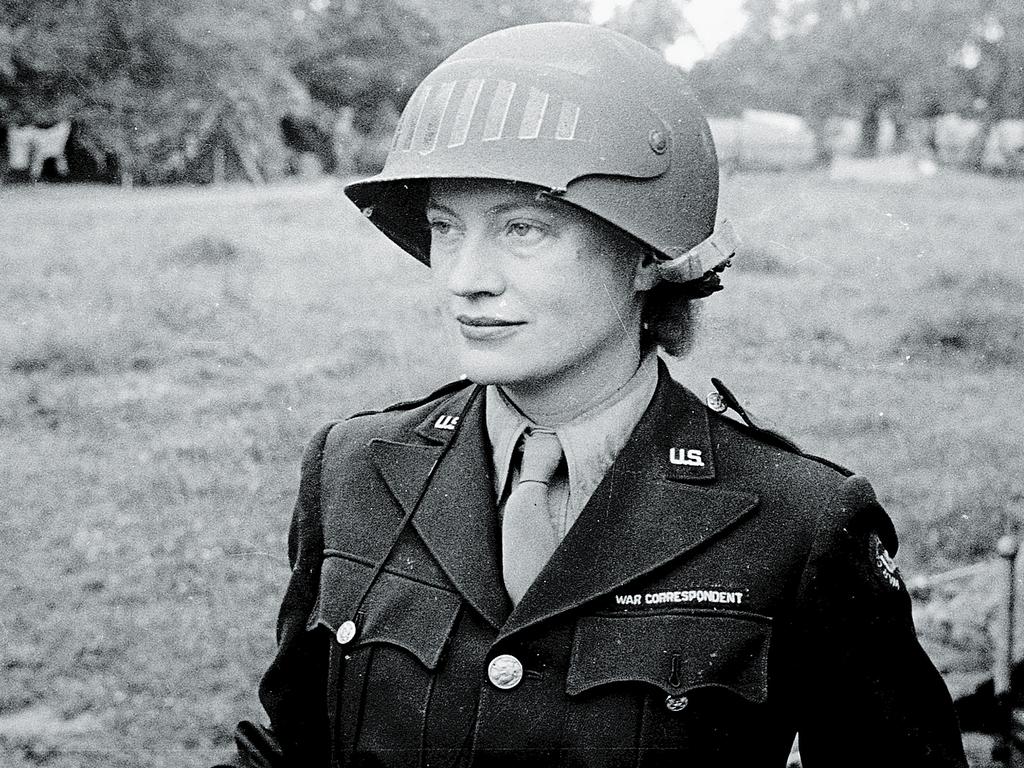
680 597
886 567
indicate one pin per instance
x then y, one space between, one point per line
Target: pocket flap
675 652
413 615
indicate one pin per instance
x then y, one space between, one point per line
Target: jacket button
676 703
346 632
505 671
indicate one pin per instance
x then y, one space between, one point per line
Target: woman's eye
440 227
524 231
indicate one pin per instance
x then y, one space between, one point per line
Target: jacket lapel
648 510
656 503
452 499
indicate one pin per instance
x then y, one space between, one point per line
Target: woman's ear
646 276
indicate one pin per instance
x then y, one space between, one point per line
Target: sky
713 22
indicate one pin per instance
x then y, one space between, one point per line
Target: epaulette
407 405
722 400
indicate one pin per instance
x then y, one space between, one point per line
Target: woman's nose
473 268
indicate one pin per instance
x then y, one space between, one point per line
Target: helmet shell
587 114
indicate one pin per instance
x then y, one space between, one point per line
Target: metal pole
1004 750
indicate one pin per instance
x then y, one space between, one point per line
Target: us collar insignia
446 421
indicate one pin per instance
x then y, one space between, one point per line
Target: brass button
716 403
505 671
346 632
659 142
676 703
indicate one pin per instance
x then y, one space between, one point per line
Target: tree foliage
149 82
655 23
363 53
857 57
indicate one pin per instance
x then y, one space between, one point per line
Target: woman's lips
482 328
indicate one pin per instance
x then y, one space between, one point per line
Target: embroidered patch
716 596
884 563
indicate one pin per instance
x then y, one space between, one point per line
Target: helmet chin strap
702 264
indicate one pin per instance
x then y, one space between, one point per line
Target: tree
860 57
994 68
150 81
655 23
154 84
459 22
361 53
368 56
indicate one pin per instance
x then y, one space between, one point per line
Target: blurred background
146 92
186 295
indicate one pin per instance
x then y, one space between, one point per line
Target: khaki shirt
590 441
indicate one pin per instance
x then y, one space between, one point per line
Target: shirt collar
591 441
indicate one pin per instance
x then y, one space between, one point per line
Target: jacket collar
443 422
657 502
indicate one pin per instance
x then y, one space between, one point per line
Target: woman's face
537 293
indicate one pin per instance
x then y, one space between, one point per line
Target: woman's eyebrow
513 205
433 205
498 209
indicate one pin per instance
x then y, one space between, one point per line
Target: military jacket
718 594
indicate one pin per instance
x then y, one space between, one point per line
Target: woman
566 558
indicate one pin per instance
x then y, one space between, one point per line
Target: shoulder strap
408 405
726 400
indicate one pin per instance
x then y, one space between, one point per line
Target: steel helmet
587 114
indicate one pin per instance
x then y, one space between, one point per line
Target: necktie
527 537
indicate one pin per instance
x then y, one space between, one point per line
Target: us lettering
686 457
446 422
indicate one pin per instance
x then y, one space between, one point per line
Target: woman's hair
670 313
670 318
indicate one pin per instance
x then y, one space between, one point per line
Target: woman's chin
490 368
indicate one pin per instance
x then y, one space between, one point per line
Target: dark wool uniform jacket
717 595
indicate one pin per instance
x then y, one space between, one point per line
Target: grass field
165 354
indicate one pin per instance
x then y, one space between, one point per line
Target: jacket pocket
677 652
412 615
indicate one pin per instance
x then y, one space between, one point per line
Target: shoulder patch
721 400
883 562
408 405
